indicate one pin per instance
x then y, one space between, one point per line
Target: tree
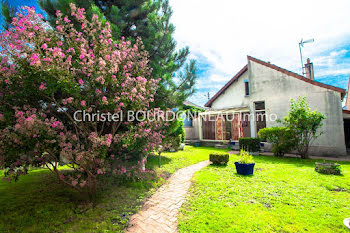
303 124
48 76
149 20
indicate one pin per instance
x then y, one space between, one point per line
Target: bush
175 135
328 168
249 144
245 157
304 123
48 76
219 158
281 138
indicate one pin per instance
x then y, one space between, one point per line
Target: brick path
159 213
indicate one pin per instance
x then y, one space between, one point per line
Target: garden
283 195
39 203
62 173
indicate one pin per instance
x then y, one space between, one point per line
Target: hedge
281 138
219 158
249 144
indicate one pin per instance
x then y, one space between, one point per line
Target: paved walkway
159 213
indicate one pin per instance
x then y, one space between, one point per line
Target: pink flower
81 82
98 91
35 60
121 104
83 103
66 20
42 86
70 100
74 182
59 43
104 100
44 46
82 56
83 183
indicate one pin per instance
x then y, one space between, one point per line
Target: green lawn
283 195
38 203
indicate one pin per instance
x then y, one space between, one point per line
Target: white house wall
234 95
276 89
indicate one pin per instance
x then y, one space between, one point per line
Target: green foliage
284 195
219 158
328 168
249 144
281 138
245 157
303 124
149 20
175 134
8 13
192 111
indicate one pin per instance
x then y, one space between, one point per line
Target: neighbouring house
191 122
260 92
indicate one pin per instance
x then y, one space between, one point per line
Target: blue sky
221 34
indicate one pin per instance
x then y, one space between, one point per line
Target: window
246 85
260 117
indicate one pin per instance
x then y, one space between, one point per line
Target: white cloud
218 78
225 31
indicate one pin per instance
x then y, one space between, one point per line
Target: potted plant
245 165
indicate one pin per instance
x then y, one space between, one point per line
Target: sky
221 33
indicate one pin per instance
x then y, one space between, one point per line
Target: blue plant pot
244 169
197 144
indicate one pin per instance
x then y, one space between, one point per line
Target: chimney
347 101
309 70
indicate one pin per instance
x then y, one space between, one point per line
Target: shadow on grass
153 161
39 203
243 176
218 165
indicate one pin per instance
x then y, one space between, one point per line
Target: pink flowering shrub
47 74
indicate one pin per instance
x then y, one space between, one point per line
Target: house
260 93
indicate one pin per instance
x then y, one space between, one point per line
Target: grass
283 195
38 203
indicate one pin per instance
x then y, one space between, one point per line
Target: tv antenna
301 44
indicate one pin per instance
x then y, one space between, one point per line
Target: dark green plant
175 134
304 124
281 138
328 168
249 144
219 158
